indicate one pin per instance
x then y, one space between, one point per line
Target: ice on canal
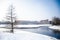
23 35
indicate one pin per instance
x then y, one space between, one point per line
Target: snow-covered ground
33 25
55 27
22 35
28 25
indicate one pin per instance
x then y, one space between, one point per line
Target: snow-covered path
23 35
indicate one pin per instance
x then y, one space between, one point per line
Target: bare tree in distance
56 21
11 18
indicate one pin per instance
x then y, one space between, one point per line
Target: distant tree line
55 21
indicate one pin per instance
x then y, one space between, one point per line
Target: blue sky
31 9
58 3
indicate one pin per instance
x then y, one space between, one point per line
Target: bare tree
56 21
11 17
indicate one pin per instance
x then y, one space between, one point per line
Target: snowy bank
55 27
23 35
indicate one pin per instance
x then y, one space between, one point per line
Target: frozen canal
42 30
45 30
